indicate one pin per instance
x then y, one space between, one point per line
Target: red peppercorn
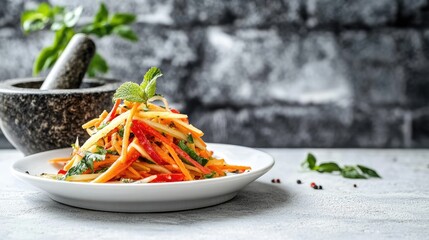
312 184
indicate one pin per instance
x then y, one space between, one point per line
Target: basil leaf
122 18
310 162
102 14
351 172
97 64
125 32
368 171
354 172
328 167
39 63
45 9
72 17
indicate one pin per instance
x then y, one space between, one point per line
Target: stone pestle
70 68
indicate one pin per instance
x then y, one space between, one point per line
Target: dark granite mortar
36 120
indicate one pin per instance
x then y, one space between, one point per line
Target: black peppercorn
298 181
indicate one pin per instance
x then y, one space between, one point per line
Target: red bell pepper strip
173 110
169 177
150 131
62 171
112 113
146 144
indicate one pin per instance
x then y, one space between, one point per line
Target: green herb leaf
45 9
152 73
97 65
149 81
49 55
328 167
125 32
151 88
122 18
351 172
102 14
130 91
190 139
355 172
368 171
310 162
72 17
34 24
209 175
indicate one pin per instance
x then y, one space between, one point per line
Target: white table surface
395 207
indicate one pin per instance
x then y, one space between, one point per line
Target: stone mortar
36 120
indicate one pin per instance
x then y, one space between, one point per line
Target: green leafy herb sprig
348 171
87 162
64 23
133 92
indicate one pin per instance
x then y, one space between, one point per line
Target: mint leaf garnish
133 92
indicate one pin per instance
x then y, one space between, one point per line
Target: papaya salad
139 141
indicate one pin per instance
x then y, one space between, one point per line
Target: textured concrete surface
355 68
394 207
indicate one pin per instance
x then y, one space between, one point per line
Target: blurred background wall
269 73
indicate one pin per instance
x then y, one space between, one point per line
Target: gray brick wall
270 73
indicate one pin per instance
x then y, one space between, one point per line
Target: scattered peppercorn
312 184
27 172
320 187
298 181
273 180
354 185
278 180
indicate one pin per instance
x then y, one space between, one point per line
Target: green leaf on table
71 18
352 172
368 171
130 91
328 167
122 18
310 162
125 32
102 15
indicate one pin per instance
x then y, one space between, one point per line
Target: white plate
153 197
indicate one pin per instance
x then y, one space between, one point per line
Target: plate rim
270 162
